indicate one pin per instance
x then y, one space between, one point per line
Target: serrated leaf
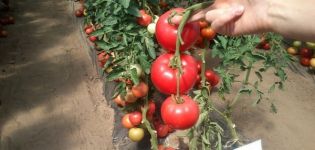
97 33
116 73
134 76
223 41
125 3
102 45
150 47
133 10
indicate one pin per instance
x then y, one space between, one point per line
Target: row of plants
147 55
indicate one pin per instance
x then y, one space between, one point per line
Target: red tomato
151 109
102 58
170 129
304 61
203 23
169 148
166 33
135 118
208 33
92 38
164 77
88 31
145 19
180 116
126 122
305 52
160 147
162 130
79 13
3 33
212 77
198 81
140 90
266 46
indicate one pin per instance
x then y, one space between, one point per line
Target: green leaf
116 73
223 41
132 10
102 45
125 3
134 76
150 47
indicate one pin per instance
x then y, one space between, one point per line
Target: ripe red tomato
135 118
305 52
203 23
164 77
166 33
145 19
304 61
79 13
208 33
151 109
140 90
162 130
266 46
92 38
198 81
180 116
102 58
212 77
126 122
88 31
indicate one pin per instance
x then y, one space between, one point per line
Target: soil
52 97
51 94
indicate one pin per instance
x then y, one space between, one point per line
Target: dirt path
51 97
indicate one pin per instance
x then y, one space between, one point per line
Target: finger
199 15
222 17
176 19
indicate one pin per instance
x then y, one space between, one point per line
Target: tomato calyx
177 99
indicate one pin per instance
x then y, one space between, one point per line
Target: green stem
199 6
231 126
245 82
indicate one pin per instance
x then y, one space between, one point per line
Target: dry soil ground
50 92
51 97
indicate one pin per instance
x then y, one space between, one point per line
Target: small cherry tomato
145 19
212 77
304 61
203 23
208 33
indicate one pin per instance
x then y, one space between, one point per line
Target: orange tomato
140 90
119 101
203 23
126 122
208 33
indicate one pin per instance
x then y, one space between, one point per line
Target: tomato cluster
5 20
305 50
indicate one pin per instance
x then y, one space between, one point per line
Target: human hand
234 17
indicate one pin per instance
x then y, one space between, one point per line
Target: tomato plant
126 32
163 76
166 32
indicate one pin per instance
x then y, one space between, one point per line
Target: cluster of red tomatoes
305 50
5 20
80 12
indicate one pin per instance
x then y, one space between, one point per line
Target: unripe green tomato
151 28
138 69
136 134
310 45
297 44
